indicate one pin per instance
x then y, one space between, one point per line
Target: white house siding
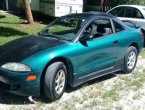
55 8
61 7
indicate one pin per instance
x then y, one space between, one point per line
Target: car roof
134 6
92 13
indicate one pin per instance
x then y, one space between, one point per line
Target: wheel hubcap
59 81
131 60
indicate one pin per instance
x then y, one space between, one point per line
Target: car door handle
115 42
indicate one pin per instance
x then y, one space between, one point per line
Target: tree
28 12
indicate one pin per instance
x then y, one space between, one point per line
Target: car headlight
16 67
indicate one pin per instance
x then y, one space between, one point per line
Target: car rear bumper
17 83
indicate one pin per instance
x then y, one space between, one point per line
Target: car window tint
137 14
117 26
99 28
119 11
128 12
105 22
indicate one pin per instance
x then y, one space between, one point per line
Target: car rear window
128 12
137 14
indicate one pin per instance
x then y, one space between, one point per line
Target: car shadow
70 89
97 80
11 99
8 98
6 32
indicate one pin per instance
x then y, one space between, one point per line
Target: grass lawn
143 53
12 27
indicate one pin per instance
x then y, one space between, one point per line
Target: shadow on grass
70 89
97 80
12 99
7 98
11 23
44 19
37 16
2 16
6 32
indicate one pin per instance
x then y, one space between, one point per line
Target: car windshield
64 28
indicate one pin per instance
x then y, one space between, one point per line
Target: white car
133 13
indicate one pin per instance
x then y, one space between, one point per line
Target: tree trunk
102 5
28 12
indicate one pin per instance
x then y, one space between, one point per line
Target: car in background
133 13
71 50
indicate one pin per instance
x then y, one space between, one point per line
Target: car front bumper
15 82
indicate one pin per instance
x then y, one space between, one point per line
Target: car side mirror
85 37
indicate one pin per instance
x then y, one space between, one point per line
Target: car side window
117 26
99 28
128 12
119 11
137 14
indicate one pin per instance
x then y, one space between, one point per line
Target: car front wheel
55 81
130 59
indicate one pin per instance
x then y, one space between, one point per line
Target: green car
71 50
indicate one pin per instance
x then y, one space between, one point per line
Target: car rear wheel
130 59
55 81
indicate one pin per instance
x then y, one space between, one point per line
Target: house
53 7
8 5
61 7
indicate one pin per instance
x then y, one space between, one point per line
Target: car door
99 53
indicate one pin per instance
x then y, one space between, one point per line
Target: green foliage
108 4
133 2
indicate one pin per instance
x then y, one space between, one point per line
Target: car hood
22 48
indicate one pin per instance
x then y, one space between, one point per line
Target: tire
130 59
55 81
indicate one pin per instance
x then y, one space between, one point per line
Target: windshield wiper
53 36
